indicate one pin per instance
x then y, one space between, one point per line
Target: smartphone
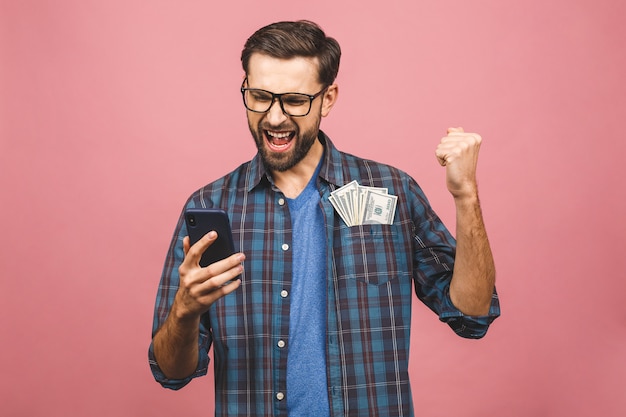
201 221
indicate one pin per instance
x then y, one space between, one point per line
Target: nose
275 114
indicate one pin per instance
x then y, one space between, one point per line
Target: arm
473 278
176 342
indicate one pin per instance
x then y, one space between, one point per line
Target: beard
283 161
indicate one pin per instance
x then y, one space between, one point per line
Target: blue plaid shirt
370 272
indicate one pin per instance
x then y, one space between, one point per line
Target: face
285 141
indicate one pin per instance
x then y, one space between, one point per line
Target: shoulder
217 192
374 173
412 200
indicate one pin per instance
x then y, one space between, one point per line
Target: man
312 316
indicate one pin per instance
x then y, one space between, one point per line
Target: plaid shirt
370 272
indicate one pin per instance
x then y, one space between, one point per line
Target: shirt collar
330 171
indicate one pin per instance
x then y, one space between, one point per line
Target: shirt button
281 201
284 293
285 246
281 343
280 396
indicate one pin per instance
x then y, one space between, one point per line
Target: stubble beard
282 162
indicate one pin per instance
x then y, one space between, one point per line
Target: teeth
278 135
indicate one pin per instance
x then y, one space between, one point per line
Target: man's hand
200 287
458 152
473 278
176 342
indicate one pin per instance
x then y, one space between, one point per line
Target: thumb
455 130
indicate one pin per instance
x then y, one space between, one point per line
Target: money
379 208
357 204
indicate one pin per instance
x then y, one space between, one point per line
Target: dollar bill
379 208
339 210
361 199
357 204
344 201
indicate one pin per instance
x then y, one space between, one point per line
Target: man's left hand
458 152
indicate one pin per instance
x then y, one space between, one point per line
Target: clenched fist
458 152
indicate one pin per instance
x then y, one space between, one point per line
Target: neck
292 181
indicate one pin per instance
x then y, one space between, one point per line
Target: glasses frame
275 96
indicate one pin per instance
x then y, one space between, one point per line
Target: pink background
112 112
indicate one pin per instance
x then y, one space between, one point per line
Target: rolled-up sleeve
168 286
175 384
470 327
433 264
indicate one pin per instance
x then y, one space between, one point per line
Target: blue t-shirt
307 385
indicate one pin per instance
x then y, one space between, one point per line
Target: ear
329 99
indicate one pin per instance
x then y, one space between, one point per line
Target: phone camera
191 219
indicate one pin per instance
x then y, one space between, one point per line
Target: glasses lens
257 100
296 104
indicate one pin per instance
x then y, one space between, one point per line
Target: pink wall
112 112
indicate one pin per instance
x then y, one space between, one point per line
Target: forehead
297 74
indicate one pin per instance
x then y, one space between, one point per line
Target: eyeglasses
292 104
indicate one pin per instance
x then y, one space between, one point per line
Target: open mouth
279 141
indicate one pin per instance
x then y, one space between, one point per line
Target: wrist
465 199
183 315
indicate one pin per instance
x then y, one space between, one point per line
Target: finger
446 148
458 136
225 264
203 281
227 276
442 156
448 151
186 245
222 291
455 130
222 272
194 253
446 159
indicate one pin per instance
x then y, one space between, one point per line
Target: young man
312 316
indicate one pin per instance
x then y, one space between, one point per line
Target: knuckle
182 271
194 251
474 138
186 283
211 270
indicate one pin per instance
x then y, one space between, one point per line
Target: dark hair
286 40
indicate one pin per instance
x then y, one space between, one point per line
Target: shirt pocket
371 253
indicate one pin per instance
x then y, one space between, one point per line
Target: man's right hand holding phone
176 342
200 287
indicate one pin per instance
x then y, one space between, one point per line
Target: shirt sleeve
433 264
166 293
176 384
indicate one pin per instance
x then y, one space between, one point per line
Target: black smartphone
200 222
